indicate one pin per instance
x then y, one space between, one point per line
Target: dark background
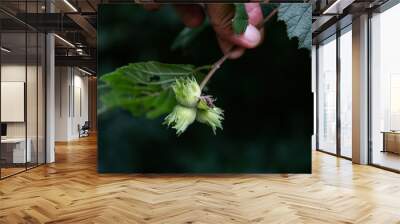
266 95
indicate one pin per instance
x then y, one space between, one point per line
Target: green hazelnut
211 116
187 91
180 118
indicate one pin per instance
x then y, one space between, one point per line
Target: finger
256 17
221 19
249 39
225 46
254 13
237 53
151 6
192 15
220 16
228 48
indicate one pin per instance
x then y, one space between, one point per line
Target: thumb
221 16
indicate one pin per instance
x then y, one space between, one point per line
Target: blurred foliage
266 95
188 35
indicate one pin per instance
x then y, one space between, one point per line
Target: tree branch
214 68
218 64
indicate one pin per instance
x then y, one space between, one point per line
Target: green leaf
143 88
162 105
297 17
240 20
188 35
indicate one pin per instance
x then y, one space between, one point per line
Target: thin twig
270 15
214 68
218 64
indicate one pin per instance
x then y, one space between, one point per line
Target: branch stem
270 15
214 68
218 64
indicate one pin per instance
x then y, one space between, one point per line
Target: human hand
220 16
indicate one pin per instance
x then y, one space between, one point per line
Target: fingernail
252 35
